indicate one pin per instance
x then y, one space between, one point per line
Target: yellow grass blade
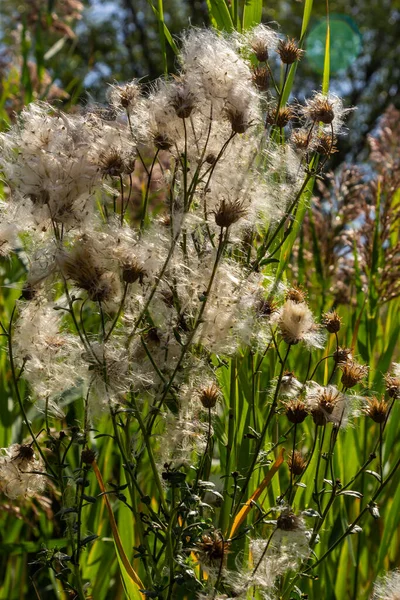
123 559
242 514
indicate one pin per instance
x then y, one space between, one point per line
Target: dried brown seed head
229 212
296 411
265 308
296 463
301 139
212 549
324 144
392 385
331 321
111 163
132 272
288 521
82 267
281 119
320 109
296 294
260 49
342 355
238 119
209 395
183 101
24 452
162 142
289 51
377 409
260 78
88 456
352 373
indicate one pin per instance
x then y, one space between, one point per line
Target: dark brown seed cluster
300 139
327 401
84 270
265 308
25 452
111 163
260 49
162 142
324 144
342 355
289 51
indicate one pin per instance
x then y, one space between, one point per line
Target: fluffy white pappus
50 357
20 471
387 587
8 238
46 158
185 437
212 66
107 375
296 324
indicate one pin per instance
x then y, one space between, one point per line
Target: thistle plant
154 326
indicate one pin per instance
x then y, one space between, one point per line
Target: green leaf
252 13
327 57
220 14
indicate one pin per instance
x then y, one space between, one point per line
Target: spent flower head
20 471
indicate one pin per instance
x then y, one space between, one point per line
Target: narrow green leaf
306 18
327 57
